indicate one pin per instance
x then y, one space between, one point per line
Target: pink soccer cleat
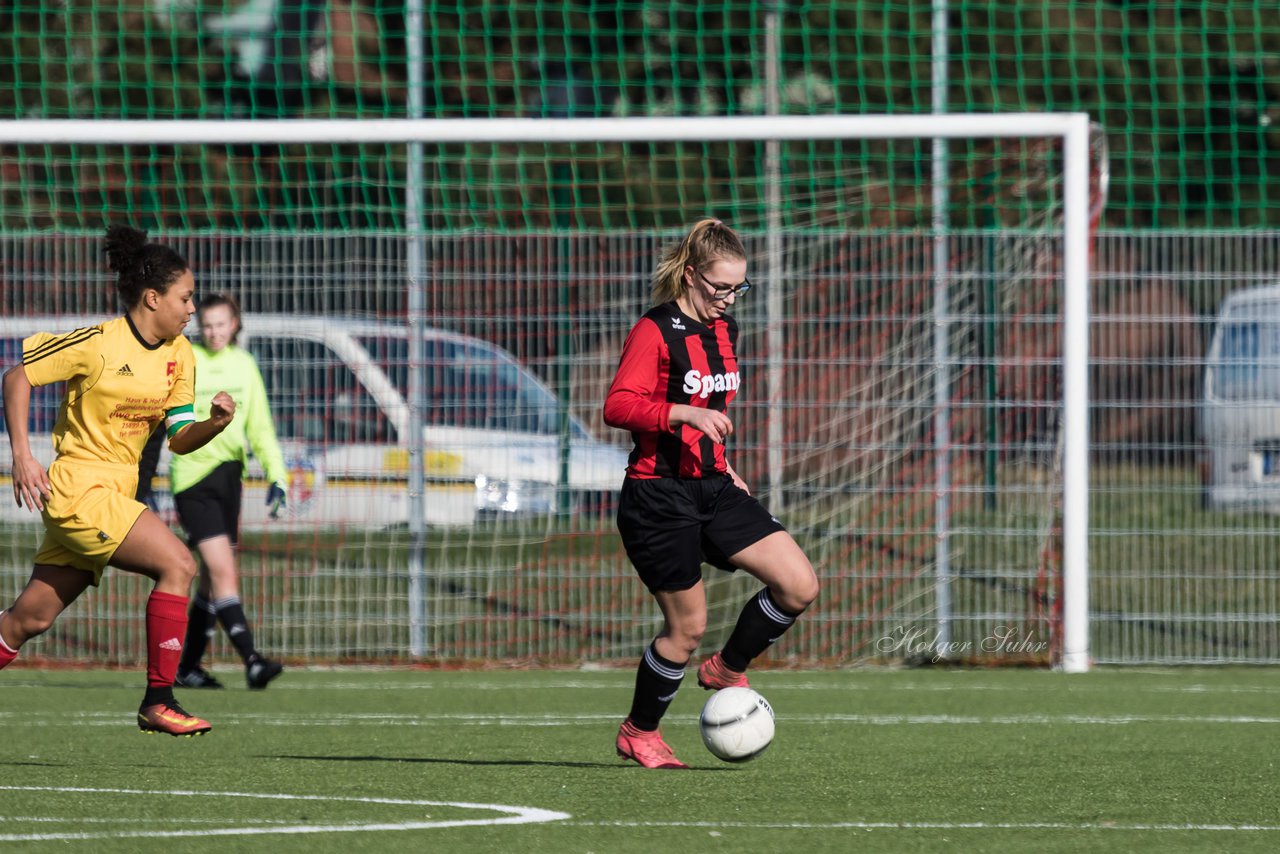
714 674
647 748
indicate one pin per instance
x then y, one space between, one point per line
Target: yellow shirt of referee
118 388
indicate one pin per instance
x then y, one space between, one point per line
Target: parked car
339 395
1240 408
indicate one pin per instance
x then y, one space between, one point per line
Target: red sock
166 626
7 653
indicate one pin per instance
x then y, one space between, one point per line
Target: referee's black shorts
211 508
670 526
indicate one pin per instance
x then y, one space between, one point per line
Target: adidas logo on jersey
696 383
172 644
125 371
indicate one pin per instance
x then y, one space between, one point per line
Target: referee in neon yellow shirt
207 487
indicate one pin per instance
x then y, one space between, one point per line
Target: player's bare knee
810 590
181 568
688 639
798 595
188 569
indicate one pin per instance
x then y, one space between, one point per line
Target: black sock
760 624
657 681
158 694
231 615
200 627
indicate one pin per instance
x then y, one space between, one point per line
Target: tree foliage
1189 95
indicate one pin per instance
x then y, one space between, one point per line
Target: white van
1240 410
338 390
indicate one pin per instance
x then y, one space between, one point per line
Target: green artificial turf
864 760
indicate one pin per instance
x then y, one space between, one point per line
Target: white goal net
914 404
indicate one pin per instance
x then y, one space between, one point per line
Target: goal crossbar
512 130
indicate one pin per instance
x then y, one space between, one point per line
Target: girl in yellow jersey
122 378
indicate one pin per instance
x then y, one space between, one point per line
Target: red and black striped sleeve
637 398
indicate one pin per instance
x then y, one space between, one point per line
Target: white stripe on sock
771 610
661 669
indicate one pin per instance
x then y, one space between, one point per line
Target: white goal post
1072 129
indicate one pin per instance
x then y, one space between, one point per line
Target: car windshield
472 385
1248 367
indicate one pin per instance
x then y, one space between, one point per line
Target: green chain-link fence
545 251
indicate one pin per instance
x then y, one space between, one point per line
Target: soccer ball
736 724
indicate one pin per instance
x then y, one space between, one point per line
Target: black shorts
670 526
211 508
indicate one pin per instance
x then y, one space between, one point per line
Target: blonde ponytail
709 240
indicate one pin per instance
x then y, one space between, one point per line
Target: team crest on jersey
170 368
695 382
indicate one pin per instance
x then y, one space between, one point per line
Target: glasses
719 292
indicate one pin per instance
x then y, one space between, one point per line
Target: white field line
772 685
332 719
531 815
773 681
46 819
514 815
930 825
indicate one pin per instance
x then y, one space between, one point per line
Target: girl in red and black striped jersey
682 503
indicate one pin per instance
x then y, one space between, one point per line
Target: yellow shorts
88 515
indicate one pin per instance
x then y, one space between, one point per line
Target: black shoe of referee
259 672
197 678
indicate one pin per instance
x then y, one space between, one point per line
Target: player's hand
30 483
222 409
716 425
275 499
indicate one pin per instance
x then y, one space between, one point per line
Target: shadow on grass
435 760
137 683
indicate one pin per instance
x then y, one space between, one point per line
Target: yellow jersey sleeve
48 358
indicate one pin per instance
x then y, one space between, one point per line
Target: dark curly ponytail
140 265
